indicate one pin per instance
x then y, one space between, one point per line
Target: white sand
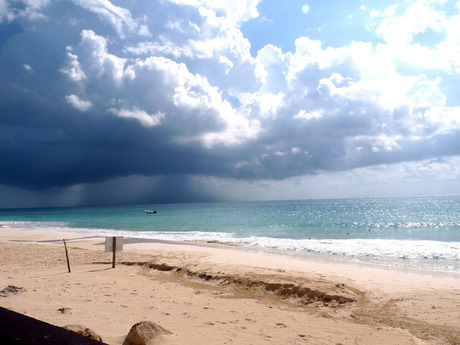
209 295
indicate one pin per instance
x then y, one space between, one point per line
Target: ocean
420 233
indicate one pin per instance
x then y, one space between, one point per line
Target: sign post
114 250
113 244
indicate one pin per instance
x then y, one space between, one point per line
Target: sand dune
218 295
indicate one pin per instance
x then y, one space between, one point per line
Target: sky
158 101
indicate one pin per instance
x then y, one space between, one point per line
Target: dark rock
65 310
11 290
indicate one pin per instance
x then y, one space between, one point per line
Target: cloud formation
95 91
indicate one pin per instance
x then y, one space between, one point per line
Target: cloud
426 177
78 103
210 45
403 28
236 11
98 62
305 8
144 118
162 86
118 17
73 69
29 9
316 114
127 93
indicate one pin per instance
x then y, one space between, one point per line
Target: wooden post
67 255
114 247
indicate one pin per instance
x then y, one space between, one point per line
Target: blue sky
334 23
105 102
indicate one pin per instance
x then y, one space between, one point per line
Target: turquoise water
421 233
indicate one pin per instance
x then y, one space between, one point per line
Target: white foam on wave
177 236
435 255
426 255
395 249
25 225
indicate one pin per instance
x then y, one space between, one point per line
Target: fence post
67 255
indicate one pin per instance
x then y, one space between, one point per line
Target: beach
217 294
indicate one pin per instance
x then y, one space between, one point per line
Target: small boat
150 212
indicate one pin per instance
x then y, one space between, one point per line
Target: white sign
118 244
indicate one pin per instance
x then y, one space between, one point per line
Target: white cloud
5 12
226 62
218 34
236 11
399 29
78 103
307 116
385 142
264 104
399 26
209 43
120 18
29 9
444 119
164 47
310 84
140 115
73 69
305 9
95 61
167 87
296 150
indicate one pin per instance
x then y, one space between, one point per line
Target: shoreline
310 258
204 294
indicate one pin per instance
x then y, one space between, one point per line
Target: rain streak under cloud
192 100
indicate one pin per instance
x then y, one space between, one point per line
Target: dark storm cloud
91 92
